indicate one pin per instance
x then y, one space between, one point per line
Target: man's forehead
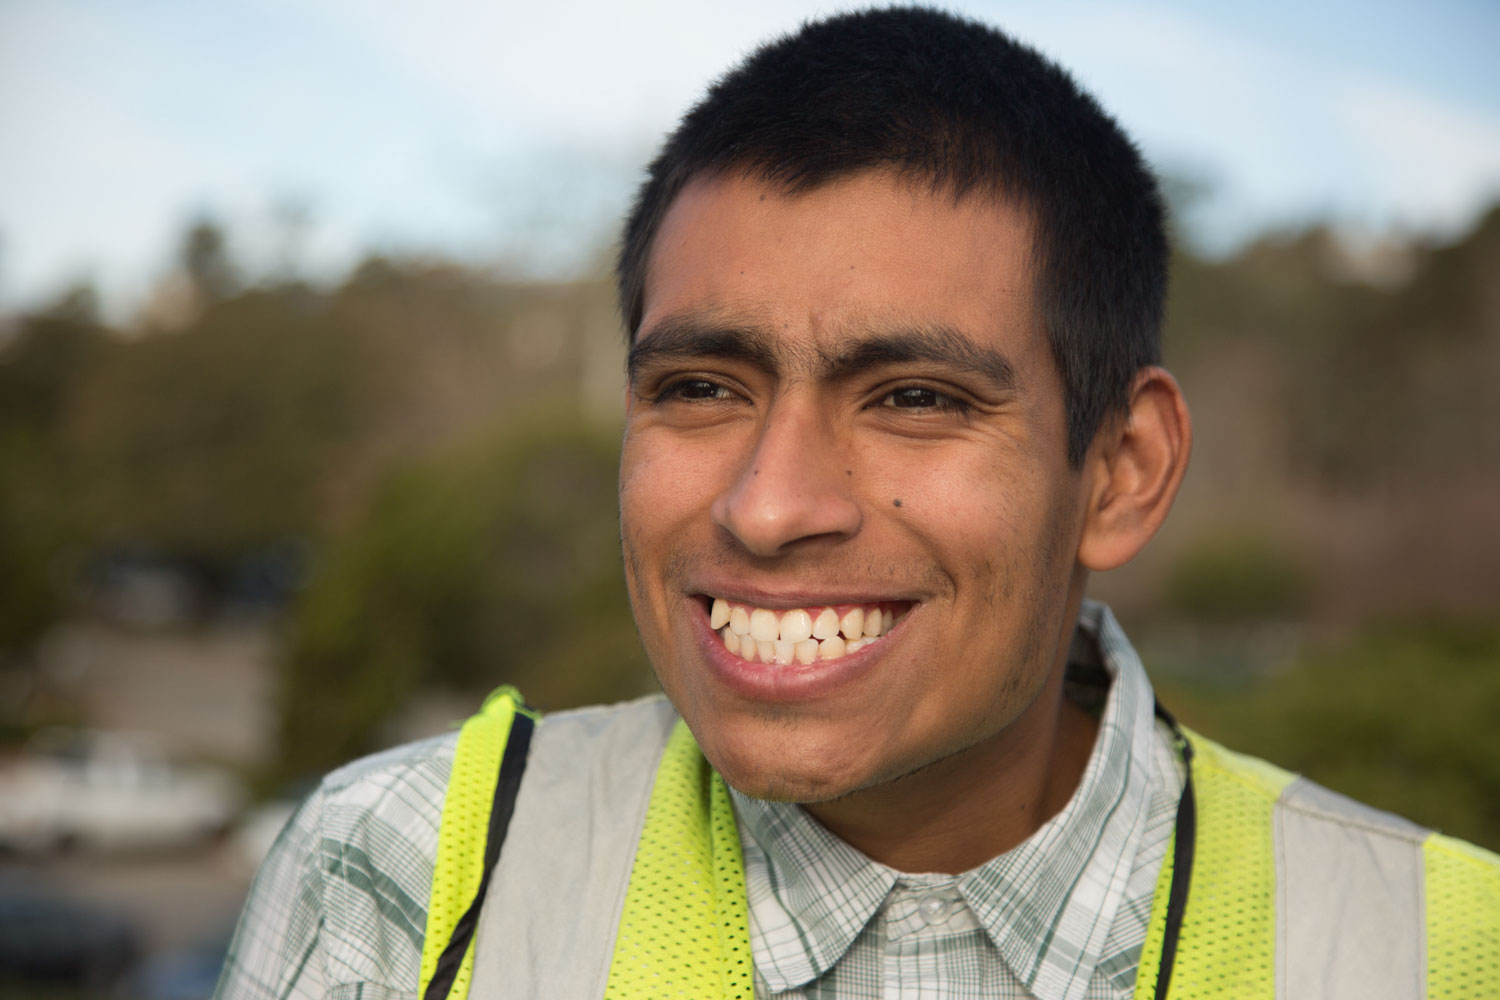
684 215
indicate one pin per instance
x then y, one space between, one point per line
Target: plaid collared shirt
339 907
1062 916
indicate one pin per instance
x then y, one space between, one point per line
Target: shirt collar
810 894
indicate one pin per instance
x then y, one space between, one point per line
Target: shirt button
934 909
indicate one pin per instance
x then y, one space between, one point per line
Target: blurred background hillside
276 491
404 484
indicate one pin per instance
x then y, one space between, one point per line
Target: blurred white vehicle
109 791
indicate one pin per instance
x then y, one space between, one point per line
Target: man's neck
957 813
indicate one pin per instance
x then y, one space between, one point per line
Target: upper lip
799 597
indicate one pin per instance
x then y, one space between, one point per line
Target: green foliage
1237 578
213 441
230 420
498 563
1402 717
1403 391
39 370
30 540
1280 290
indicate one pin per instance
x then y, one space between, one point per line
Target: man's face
843 399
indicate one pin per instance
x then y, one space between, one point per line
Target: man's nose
794 486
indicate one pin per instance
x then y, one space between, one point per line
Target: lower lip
771 682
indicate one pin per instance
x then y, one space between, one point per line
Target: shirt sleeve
338 909
277 949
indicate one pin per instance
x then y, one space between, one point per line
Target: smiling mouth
802 635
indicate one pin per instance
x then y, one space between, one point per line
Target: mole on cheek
895 503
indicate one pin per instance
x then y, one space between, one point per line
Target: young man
893 291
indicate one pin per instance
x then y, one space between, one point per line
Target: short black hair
958 105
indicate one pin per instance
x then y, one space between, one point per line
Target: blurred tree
41 367
497 563
1238 576
291 221
1406 391
206 261
216 440
1401 716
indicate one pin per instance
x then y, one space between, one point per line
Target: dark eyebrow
939 345
697 337
692 337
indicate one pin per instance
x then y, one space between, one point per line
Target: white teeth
827 625
739 620
796 625
763 625
798 635
853 623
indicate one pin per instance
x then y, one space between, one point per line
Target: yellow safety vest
683 930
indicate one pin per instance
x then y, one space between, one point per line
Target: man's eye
695 388
913 398
916 397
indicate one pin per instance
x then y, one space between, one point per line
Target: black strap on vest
507 786
1182 858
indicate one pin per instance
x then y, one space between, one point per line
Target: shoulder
395 797
1297 800
1241 787
1361 897
341 899
1323 840
340 903
406 784
371 826
403 786
645 719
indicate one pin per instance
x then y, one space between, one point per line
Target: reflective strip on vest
550 921
1296 892
1349 907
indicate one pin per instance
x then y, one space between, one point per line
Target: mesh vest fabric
684 931
1463 920
459 868
1228 931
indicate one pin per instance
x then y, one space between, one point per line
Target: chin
783 765
785 786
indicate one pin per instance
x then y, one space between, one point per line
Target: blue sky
513 134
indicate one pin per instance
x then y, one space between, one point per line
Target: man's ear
1133 468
